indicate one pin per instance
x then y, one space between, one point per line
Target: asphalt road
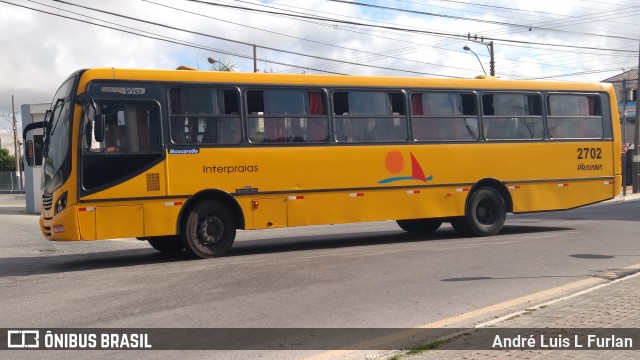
367 275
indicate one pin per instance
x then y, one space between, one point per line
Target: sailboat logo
395 163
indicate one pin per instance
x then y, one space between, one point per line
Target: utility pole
255 60
489 45
492 63
636 140
625 172
16 144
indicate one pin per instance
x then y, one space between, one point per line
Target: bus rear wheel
419 226
209 230
166 244
485 215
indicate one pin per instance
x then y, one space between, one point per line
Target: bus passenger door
119 168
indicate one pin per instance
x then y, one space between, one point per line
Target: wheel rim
209 230
486 212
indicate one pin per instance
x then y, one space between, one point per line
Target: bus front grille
47 201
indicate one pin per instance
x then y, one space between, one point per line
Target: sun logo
395 163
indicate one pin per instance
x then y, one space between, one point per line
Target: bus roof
187 74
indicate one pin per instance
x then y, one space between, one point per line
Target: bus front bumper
62 226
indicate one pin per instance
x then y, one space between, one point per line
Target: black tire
166 244
419 226
461 226
486 212
209 230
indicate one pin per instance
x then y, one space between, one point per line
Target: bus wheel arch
496 184
211 195
486 207
208 222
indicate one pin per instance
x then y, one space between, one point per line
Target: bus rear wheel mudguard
420 226
485 214
209 230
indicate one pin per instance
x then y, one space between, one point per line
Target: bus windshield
57 139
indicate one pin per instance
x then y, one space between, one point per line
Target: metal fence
10 181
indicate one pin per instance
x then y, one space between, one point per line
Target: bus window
205 116
509 116
369 116
131 142
286 116
444 116
574 117
129 128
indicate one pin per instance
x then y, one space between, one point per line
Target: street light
466 48
489 45
213 61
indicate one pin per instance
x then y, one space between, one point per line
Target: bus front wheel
209 230
485 214
166 244
420 226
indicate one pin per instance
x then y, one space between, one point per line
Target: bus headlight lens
61 204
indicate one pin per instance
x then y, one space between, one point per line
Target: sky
44 41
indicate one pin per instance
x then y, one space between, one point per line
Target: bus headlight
61 204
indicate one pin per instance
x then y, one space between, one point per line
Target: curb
504 318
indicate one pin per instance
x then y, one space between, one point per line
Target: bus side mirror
99 127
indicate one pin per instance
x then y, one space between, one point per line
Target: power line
197 46
416 31
618 13
303 39
280 14
243 42
558 47
474 20
391 54
159 37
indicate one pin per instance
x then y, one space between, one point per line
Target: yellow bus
184 158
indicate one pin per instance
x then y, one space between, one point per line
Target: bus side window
512 116
275 130
499 128
286 116
562 128
369 116
444 116
575 116
317 130
227 130
195 114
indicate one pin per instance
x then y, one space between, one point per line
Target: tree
7 161
222 64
